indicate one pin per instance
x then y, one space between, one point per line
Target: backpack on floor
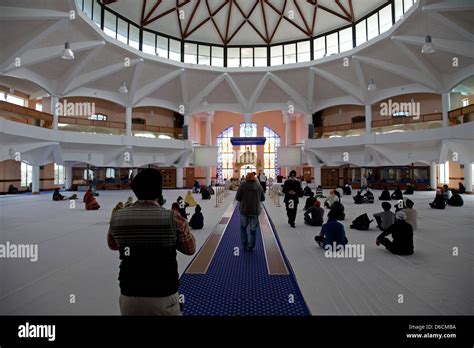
361 222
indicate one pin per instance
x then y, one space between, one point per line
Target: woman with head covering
89 200
129 202
331 199
189 199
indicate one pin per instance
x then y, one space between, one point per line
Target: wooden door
329 177
189 177
169 177
307 174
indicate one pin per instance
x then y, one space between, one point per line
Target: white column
433 182
54 111
68 168
209 143
35 182
179 177
317 173
368 119
128 121
468 177
287 120
446 106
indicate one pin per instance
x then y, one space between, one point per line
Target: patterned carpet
240 285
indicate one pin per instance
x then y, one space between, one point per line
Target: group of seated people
362 197
445 196
57 196
314 214
197 220
396 195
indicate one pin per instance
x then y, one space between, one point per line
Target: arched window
248 130
270 159
225 156
59 174
26 174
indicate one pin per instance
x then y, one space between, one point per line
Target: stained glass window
225 156
248 130
270 159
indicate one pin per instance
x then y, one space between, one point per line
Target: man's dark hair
409 203
292 174
386 206
198 208
147 184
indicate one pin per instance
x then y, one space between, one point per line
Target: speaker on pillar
310 131
185 132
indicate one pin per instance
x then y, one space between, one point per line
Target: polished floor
75 263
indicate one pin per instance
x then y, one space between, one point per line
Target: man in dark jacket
314 215
331 232
197 220
292 190
249 194
402 236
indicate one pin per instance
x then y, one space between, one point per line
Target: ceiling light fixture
372 86
428 46
123 88
67 52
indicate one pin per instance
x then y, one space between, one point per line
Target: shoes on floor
293 225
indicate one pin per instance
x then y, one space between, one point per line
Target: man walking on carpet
292 190
249 194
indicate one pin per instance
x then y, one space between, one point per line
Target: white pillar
446 106
368 119
287 120
433 182
468 177
128 121
209 143
68 168
317 173
35 182
179 177
54 111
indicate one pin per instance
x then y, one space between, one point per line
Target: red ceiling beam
212 18
344 10
158 2
228 21
265 21
334 13
281 13
352 10
314 17
198 2
302 16
247 19
166 12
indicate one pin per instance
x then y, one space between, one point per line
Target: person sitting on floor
182 207
210 189
369 197
411 214
385 218
310 201
397 194
319 192
205 192
129 202
90 201
308 192
455 200
12 189
175 207
59 197
196 186
331 232
347 190
337 210
402 237
358 199
339 191
446 193
409 190
331 199
362 222
461 189
439 202
385 196
197 220
189 199
314 215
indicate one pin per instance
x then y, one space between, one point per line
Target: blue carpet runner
240 285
